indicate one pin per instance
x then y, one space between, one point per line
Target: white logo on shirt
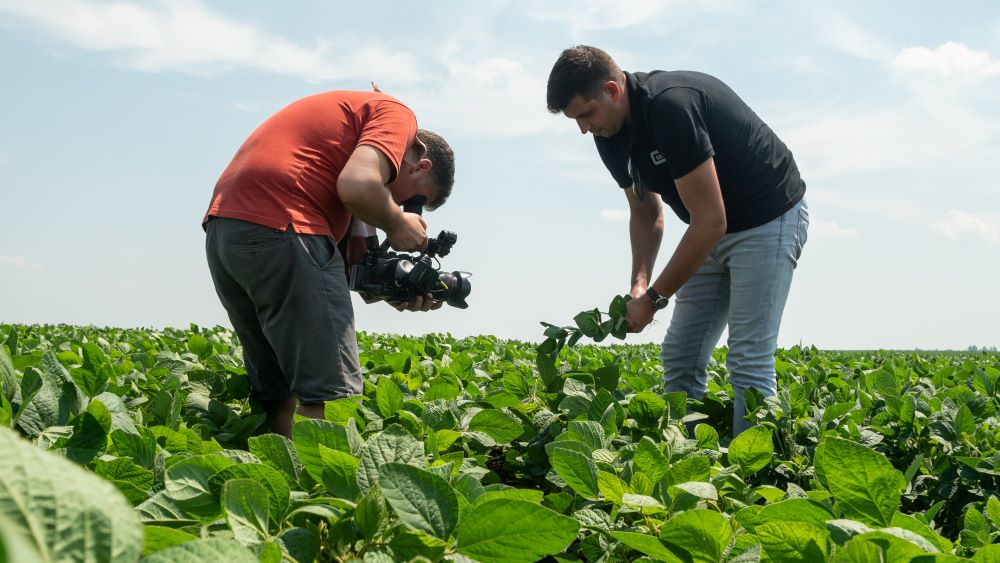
657 158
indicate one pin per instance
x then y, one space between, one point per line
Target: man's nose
583 125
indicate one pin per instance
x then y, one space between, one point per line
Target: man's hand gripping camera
381 274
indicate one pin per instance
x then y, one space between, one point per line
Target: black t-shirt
681 118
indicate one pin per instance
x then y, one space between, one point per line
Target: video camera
398 277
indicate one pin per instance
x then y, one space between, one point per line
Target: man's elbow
350 189
713 225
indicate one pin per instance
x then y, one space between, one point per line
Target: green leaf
752 450
993 511
341 410
340 473
576 470
54 403
126 470
975 529
6 411
888 546
187 483
391 445
500 426
140 447
95 374
121 418
208 550
793 541
506 530
199 345
309 434
89 438
797 510
61 510
987 554
909 523
703 534
589 323
607 377
649 459
246 506
302 544
547 371
8 378
697 489
270 479
695 468
89 382
158 538
278 452
619 306
708 437
370 513
15 545
410 545
611 486
646 409
420 498
388 397
648 545
864 484
529 495
442 390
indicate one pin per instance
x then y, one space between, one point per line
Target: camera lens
458 288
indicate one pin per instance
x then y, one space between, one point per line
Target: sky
116 119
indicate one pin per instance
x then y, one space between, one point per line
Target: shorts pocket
322 251
255 239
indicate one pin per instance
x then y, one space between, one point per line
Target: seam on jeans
777 260
708 328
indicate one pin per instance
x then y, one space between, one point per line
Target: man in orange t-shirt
275 217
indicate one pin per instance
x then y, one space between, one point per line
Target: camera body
382 274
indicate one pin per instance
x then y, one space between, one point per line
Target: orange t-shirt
286 171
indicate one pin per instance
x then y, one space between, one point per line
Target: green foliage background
128 444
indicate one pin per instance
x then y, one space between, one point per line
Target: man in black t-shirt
685 138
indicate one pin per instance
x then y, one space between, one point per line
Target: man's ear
613 90
425 165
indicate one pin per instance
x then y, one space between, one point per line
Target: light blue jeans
744 283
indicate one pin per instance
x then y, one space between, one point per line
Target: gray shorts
287 298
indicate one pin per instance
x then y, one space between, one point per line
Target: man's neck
626 102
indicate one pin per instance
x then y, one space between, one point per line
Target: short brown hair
580 70
442 165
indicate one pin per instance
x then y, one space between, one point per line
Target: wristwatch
659 301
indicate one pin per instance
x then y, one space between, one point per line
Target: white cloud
597 14
20 263
243 106
186 36
898 209
615 215
488 97
957 224
847 35
829 229
952 60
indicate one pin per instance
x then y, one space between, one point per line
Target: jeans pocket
802 231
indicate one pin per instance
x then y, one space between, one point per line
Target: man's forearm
372 203
692 250
646 233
